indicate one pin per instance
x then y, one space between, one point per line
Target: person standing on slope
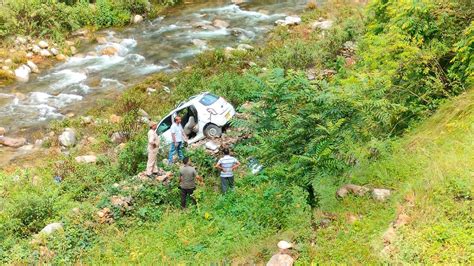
227 165
153 144
187 181
178 137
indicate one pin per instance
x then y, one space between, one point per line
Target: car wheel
212 131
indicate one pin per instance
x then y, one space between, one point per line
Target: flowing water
152 46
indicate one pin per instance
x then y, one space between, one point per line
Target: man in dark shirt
187 181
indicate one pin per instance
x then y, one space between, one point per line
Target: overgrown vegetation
378 72
56 19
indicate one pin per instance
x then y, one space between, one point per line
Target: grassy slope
431 174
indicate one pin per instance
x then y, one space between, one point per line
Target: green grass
431 175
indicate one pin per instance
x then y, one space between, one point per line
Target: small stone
244 47
80 33
210 145
402 220
91 53
323 25
2 131
389 235
380 194
29 55
69 43
51 228
22 73
220 24
12 142
34 68
8 61
137 19
289 21
21 40
60 57
54 51
350 188
86 120
150 90
45 53
73 50
67 138
118 137
238 2
70 115
6 68
43 44
36 49
86 159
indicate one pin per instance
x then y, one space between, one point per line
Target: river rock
60 57
115 118
22 73
86 159
109 50
245 47
137 19
43 44
220 23
323 25
45 53
67 138
238 2
381 194
228 52
289 21
80 33
73 50
2 131
21 40
12 142
101 40
118 137
36 49
29 55
199 42
34 68
54 51
69 43
86 120
51 228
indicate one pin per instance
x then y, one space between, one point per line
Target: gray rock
381 194
54 51
67 138
43 44
101 40
86 159
34 68
350 188
36 49
45 53
51 228
199 42
323 25
118 137
21 40
289 21
137 19
29 55
80 33
211 145
245 47
22 73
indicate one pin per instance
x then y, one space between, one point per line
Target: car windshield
209 99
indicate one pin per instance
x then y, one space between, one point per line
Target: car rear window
209 99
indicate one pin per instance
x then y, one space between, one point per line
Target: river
149 47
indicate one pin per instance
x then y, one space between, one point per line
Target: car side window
165 125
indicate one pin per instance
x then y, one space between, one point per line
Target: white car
203 115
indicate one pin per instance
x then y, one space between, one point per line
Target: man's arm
236 164
218 166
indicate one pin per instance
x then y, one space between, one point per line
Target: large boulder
381 194
220 24
289 21
51 228
12 142
244 47
22 73
67 138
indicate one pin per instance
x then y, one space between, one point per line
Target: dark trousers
227 182
184 194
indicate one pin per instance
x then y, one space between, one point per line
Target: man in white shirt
153 144
178 137
227 165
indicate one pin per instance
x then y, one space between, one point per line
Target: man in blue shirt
227 165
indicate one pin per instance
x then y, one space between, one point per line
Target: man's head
186 160
177 119
226 151
153 125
